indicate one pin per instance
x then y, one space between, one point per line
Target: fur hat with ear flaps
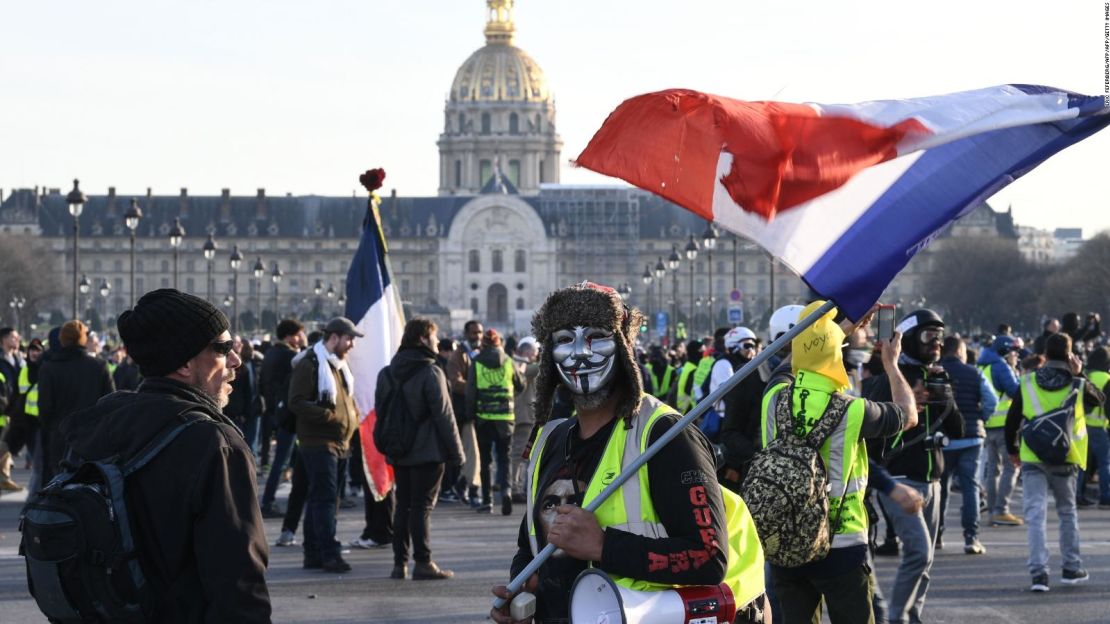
589 305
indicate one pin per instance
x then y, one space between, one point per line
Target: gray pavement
987 589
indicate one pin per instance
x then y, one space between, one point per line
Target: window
474 305
431 287
165 282
541 178
537 122
231 285
474 261
498 264
140 286
485 169
190 285
514 124
404 287
190 265
432 266
519 264
458 173
462 123
520 304
319 267
404 266
485 123
165 266
514 172
98 266
118 266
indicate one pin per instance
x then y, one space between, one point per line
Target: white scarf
324 378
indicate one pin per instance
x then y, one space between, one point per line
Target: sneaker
459 490
1006 519
888 548
1075 577
485 509
973 547
287 538
365 543
272 510
448 497
336 566
430 572
475 502
1040 583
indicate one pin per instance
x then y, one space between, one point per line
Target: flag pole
703 406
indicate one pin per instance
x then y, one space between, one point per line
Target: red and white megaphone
596 599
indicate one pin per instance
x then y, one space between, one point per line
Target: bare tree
22 274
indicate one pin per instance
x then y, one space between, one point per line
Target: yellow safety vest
685 402
1036 401
29 391
3 417
662 387
705 368
1097 417
634 512
844 455
998 418
495 391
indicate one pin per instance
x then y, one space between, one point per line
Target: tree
22 273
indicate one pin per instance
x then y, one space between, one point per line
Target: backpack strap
183 421
782 412
835 410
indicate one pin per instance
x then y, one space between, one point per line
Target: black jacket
194 513
968 390
273 382
70 380
244 402
424 389
740 433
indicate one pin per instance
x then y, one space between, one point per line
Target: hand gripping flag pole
711 399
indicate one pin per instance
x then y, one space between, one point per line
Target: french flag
375 307
844 194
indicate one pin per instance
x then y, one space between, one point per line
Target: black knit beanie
167 328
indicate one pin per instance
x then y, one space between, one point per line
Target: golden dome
500 71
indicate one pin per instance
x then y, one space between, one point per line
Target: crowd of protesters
292 405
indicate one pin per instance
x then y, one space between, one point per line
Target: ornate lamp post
275 275
209 256
105 290
17 303
83 287
234 261
76 200
131 220
673 263
709 241
691 255
317 289
259 270
176 234
330 293
647 278
660 270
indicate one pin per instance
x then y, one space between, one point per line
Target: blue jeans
322 468
250 432
1036 481
918 533
282 453
1099 444
965 464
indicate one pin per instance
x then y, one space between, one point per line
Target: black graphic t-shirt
682 475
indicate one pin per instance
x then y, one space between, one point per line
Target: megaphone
596 599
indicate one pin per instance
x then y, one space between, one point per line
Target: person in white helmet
740 429
781 321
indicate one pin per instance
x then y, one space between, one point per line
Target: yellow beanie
818 348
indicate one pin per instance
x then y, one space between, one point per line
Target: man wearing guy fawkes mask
586 334
914 457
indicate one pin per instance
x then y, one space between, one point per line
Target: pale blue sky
301 96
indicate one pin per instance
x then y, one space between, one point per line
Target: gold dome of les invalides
499 71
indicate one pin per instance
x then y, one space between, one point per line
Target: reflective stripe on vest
495 391
845 457
1097 417
3 417
685 401
1036 401
998 418
30 392
633 510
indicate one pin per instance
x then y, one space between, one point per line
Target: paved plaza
987 589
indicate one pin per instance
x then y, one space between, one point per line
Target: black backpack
82 563
395 427
1049 435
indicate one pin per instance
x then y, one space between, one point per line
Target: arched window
520 303
519 264
462 123
474 261
514 124
138 265
474 305
485 123
497 304
165 266
498 261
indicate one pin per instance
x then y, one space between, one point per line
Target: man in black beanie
193 508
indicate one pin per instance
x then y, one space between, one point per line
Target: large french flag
375 307
844 194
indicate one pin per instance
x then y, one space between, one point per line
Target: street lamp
624 290
330 293
131 220
234 261
210 255
76 200
17 303
259 270
691 255
673 263
275 275
105 290
176 234
83 287
317 289
709 241
647 279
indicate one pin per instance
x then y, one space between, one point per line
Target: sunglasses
222 348
747 346
929 335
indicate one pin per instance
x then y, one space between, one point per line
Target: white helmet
735 336
783 319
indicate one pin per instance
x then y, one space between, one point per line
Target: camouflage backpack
786 488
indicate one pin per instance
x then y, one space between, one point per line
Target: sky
299 97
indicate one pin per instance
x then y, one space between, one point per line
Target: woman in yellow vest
670 524
1051 387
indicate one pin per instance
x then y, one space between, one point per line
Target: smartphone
884 320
